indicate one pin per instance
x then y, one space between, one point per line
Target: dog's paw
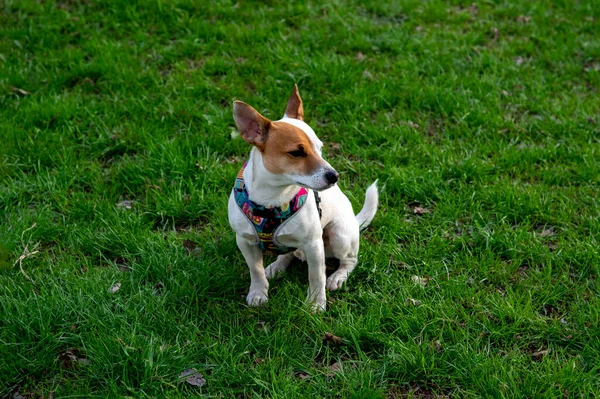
300 255
273 270
256 298
337 280
318 306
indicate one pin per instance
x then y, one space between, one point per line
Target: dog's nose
331 177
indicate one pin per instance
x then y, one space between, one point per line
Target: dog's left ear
252 126
294 107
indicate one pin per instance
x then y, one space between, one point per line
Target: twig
26 253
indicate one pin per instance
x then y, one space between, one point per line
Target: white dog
275 207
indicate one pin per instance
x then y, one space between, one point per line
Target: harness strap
318 202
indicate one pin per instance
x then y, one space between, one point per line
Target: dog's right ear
252 126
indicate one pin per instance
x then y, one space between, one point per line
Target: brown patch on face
282 139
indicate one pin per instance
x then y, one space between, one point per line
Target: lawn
479 277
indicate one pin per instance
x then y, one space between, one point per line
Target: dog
285 200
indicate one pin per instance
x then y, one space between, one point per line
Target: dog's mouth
314 188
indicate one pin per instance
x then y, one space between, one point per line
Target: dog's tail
367 213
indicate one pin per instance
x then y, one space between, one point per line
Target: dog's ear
252 126
294 107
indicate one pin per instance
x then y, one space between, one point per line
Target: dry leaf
302 375
523 19
540 354
330 338
411 301
367 75
417 210
192 377
71 358
115 288
22 92
519 60
422 281
192 248
360 56
127 204
547 232
496 34
333 369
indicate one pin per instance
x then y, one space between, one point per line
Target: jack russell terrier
285 201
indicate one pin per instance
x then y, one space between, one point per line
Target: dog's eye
298 153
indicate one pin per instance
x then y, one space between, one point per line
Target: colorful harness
267 220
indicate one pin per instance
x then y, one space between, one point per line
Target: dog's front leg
259 286
315 257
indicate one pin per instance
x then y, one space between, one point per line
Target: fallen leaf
523 19
189 245
591 120
540 354
333 369
192 247
127 204
20 91
519 60
330 338
115 288
410 124
496 34
360 56
552 246
367 75
302 375
411 301
192 377
417 210
547 232
437 345
422 281
71 358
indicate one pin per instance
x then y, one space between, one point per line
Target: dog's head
289 147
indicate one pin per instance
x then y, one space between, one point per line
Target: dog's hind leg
339 277
343 244
279 266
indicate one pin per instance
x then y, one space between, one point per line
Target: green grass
486 116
